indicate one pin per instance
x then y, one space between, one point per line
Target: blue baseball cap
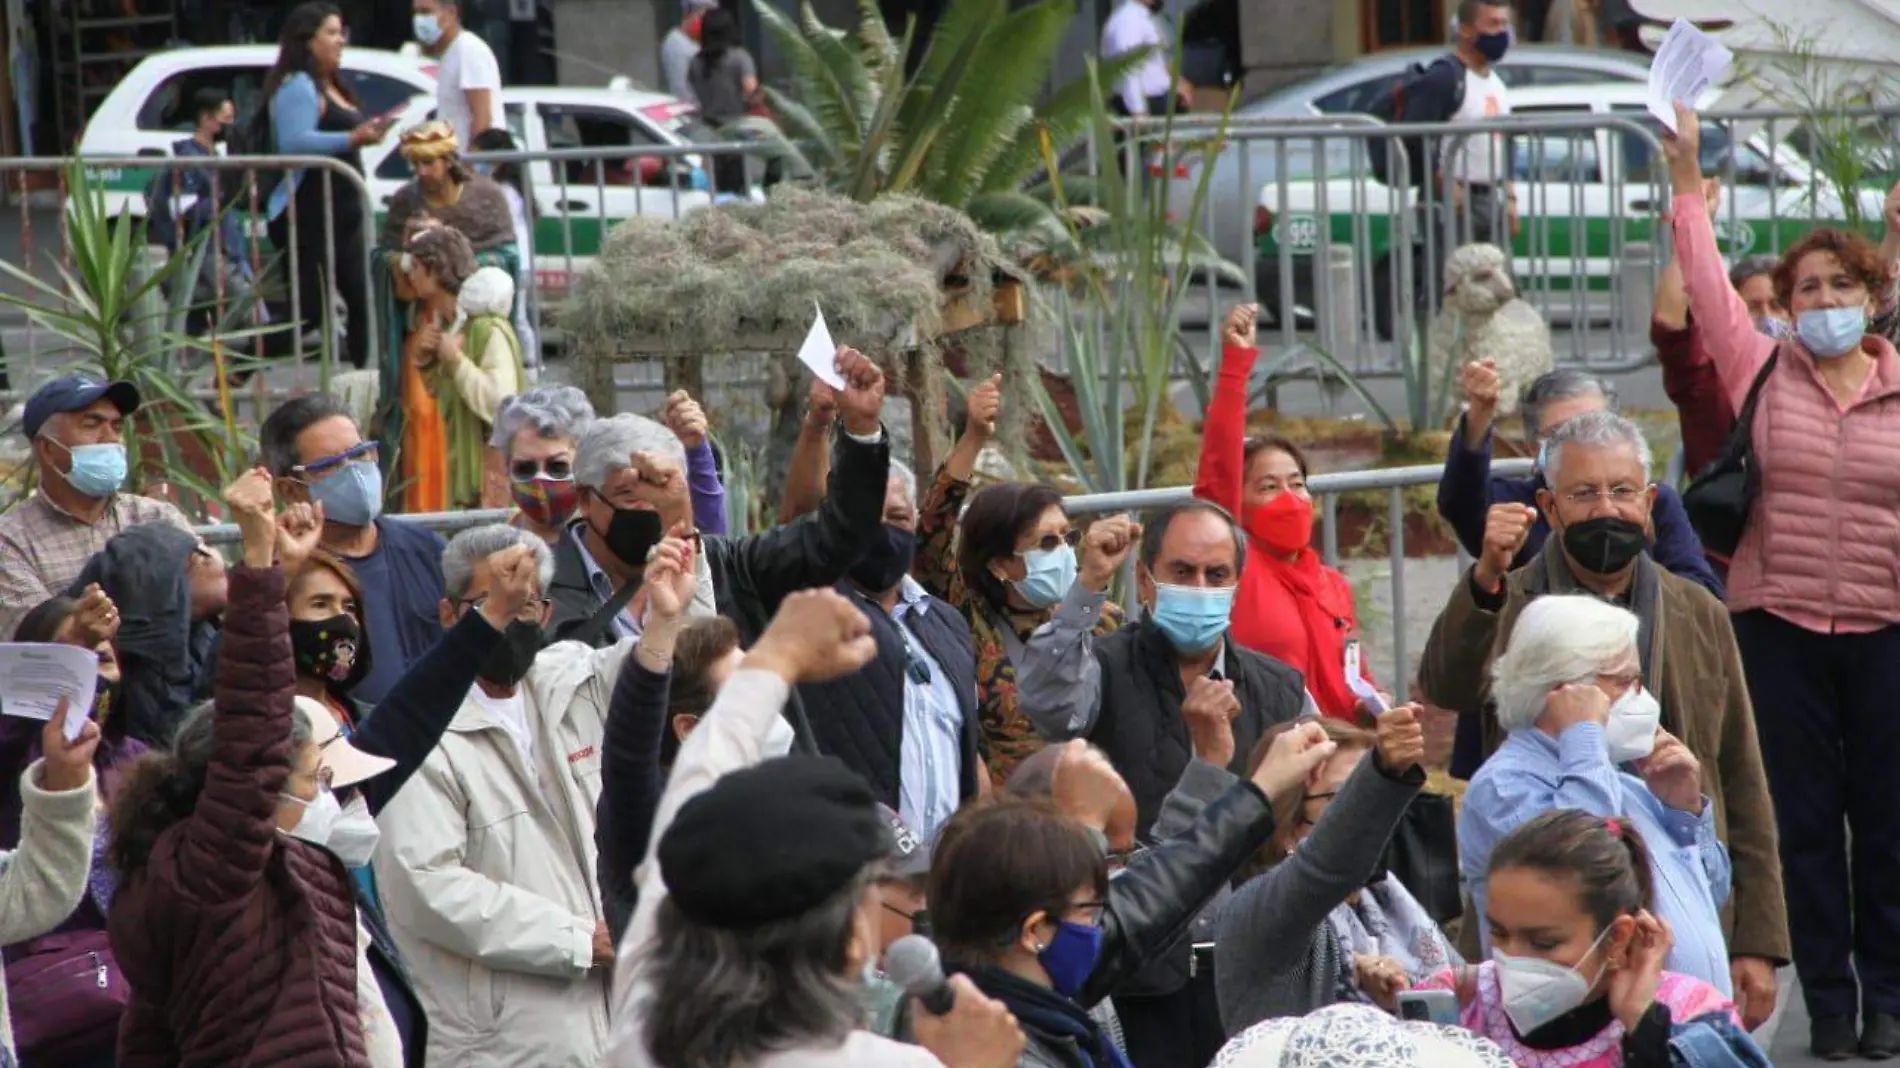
75 393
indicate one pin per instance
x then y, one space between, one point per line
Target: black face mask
330 649
631 534
509 661
887 561
1606 544
219 135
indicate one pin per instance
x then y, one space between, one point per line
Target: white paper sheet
33 678
1357 683
1688 62
818 352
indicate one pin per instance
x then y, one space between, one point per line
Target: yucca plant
122 318
965 130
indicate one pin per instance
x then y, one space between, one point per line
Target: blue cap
75 393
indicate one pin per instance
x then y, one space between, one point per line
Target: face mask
97 470
1631 732
319 817
1048 575
428 28
1283 525
631 534
1070 957
1774 327
1492 46
1604 545
887 561
219 135
352 496
508 662
1831 332
330 649
354 837
1538 991
547 502
1193 618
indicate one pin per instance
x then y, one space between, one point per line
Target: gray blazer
1276 954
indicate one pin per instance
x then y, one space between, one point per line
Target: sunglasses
553 470
1051 542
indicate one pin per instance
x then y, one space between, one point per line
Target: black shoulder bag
1719 500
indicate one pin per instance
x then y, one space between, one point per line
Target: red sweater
1299 613
1691 381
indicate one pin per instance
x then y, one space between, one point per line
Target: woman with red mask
1290 605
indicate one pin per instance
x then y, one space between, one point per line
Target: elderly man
76 428
1600 512
535 433
1151 687
633 491
487 860
312 447
1569 688
907 721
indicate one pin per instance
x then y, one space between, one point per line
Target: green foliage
121 318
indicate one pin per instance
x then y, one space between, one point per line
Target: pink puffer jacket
1822 548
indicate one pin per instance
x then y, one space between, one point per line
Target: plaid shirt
43 549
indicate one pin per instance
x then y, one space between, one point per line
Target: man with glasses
317 455
1598 501
907 721
75 427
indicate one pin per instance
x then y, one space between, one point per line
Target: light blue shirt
295 110
930 759
622 625
1533 773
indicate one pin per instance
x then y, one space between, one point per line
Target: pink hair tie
1614 826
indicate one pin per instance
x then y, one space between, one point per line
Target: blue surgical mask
428 28
1049 574
1070 956
1193 617
98 470
1773 326
1832 332
352 496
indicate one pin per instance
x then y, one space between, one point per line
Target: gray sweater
1276 955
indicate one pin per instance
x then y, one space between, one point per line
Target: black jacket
630 784
165 656
1140 726
751 575
860 718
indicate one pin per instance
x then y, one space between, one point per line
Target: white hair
553 412
905 475
476 544
1594 430
607 446
1558 639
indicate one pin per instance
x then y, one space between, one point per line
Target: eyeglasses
1051 542
365 452
1621 683
1621 495
532 610
529 470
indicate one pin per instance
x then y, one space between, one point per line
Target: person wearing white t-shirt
1476 170
1145 90
468 80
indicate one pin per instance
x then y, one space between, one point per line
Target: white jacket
42 882
487 875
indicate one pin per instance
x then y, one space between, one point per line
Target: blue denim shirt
1532 773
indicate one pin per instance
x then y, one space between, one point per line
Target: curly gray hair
551 411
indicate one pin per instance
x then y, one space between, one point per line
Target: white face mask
1630 733
1537 991
353 838
319 817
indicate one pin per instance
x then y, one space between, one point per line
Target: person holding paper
45 877
1815 591
633 491
1600 508
1290 605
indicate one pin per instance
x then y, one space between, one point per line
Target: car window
169 106
1642 163
1354 99
575 126
1540 75
1562 158
378 93
394 168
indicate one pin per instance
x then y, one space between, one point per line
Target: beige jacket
486 870
42 881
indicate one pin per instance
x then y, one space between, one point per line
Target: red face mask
1283 525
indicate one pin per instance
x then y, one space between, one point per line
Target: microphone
913 963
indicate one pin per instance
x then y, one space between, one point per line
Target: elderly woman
1815 588
1010 567
1584 734
461 360
535 434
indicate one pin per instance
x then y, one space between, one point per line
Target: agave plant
122 318
965 130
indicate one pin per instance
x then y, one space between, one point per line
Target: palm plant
966 130
123 319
